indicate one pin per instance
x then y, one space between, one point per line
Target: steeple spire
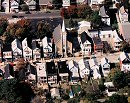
63 26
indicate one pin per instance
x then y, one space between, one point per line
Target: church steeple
63 26
64 40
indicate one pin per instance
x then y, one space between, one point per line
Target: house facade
98 44
16 49
63 71
36 50
41 72
124 62
94 68
47 47
31 4
27 51
105 66
51 73
74 71
86 44
84 68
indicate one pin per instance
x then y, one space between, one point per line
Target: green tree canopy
43 29
115 98
57 3
95 19
3 25
15 92
120 80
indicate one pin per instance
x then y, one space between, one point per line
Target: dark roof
32 69
7 47
50 68
8 71
29 42
76 44
97 40
85 36
35 45
62 66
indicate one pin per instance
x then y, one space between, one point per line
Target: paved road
32 15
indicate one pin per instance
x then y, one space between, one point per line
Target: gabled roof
124 56
126 30
9 71
84 37
50 68
84 23
7 47
30 2
83 64
17 43
116 37
35 45
57 34
102 12
32 69
62 66
93 62
72 64
28 41
46 41
104 61
14 3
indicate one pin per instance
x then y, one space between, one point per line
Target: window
103 36
109 35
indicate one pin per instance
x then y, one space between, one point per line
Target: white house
95 68
84 68
74 69
110 89
27 51
55 93
36 50
124 62
66 3
47 47
14 6
41 72
16 49
31 4
83 26
123 15
105 66
104 17
86 44
106 34
6 4
116 41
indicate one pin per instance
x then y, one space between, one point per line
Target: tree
25 7
43 29
113 72
57 3
15 92
3 25
125 46
115 98
95 19
120 80
20 30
